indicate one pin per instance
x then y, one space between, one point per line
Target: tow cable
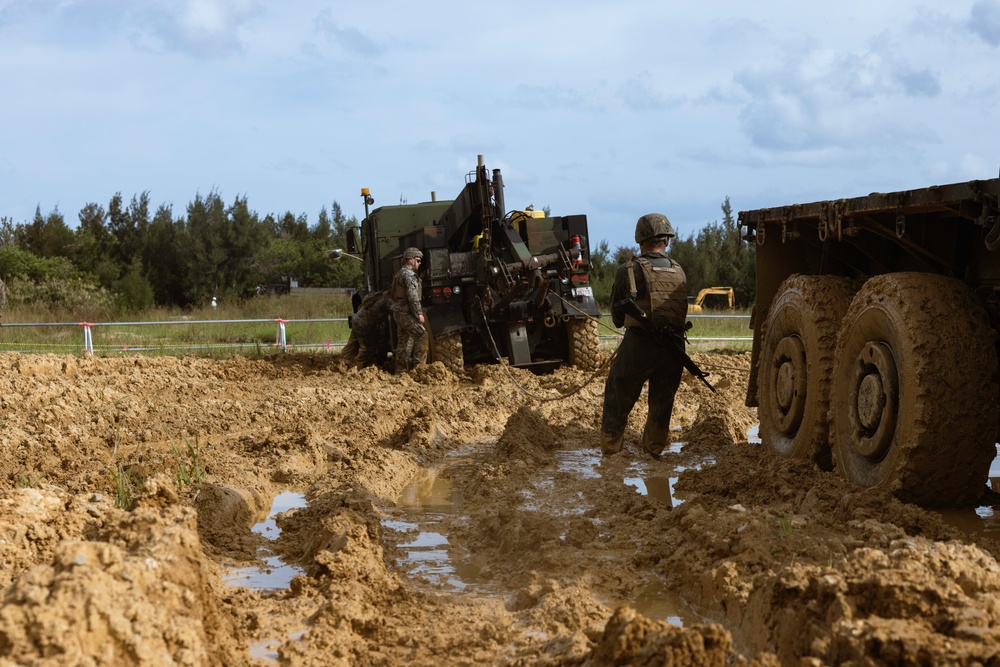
599 370
545 399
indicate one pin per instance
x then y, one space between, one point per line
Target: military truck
875 337
496 284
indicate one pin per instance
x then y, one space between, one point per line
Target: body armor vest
398 289
665 300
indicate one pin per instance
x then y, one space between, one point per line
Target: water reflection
422 510
656 602
274 574
656 487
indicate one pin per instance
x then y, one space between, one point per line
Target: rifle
672 341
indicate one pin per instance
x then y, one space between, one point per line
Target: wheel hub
876 395
788 384
871 400
784 389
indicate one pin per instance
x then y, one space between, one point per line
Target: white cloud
202 28
638 94
352 39
814 98
984 20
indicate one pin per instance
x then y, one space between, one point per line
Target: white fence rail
9 342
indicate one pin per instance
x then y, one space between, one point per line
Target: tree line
130 257
141 258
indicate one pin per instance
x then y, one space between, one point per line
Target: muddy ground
432 519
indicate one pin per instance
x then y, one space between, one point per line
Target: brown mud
433 519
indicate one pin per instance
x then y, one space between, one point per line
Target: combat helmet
413 253
651 226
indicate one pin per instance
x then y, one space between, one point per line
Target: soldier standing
409 316
660 289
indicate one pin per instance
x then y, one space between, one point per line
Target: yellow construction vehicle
696 304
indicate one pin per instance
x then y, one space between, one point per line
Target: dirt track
447 520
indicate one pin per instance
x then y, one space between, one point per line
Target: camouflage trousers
411 346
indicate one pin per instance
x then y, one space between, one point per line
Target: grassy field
312 323
205 331
720 326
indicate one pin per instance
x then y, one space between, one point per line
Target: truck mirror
352 244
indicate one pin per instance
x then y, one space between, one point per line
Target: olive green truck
498 284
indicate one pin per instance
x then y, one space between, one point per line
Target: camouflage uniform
661 291
370 331
406 310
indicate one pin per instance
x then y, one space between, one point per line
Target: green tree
344 272
323 231
295 228
205 222
717 256
280 259
47 236
6 232
166 258
243 237
133 290
602 274
127 226
93 246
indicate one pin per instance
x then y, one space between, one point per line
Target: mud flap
442 320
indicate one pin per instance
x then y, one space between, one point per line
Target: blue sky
608 109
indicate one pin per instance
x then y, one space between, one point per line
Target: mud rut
441 519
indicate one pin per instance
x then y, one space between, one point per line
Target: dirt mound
526 437
109 587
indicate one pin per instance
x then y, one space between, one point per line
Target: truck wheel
913 408
448 350
799 338
584 344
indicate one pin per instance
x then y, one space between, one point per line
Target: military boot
654 439
612 443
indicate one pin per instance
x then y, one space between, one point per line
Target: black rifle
670 339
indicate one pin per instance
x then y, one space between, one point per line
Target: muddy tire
913 406
584 344
799 338
448 350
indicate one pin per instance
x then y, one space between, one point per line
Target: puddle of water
979 521
424 507
984 520
581 462
267 649
995 469
282 502
275 574
656 602
421 509
658 488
